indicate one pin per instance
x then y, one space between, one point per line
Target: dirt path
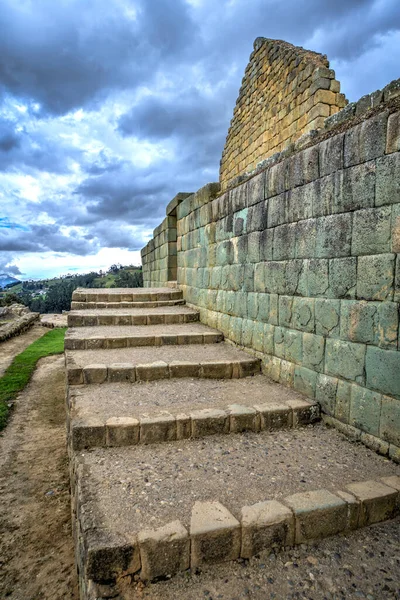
12 347
36 548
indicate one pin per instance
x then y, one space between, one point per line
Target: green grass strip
18 374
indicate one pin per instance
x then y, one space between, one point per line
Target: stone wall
286 91
159 256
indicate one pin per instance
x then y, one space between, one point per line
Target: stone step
132 316
214 361
96 305
159 509
89 338
126 294
121 414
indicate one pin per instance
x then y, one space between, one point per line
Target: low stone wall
17 326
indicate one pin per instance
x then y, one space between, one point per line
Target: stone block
333 236
365 409
293 346
277 211
318 514
355 188
257 217
152 371
387 180
271 367
305 381
95 374
215 534
353 509
287 373
266 525
331 155
285 310
284 247
164 551
306 236
374 443
209 421
342 277
393 133
154 430
327 317
313 278
303 411
266 244
383 371
121 372
343 400
122 431
74 375
365 141
345 359
378 501
181 368
222 369
274 416
243 418
313 351
253 246
394 453
109 555
183 426
390 420
238 197
303 314
274 277
371 231
325 393
375 277
299 202
293 270
89 433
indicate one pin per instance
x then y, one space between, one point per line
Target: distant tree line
57 294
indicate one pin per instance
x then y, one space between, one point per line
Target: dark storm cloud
69 54
21 149
43 238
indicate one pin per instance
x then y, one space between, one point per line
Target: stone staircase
182 453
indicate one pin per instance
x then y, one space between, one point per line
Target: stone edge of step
98 296
215 535
122 372
75 305
235 418
80 320
126 341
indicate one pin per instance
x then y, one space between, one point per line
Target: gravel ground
138 330
176 396
149 354
152 485
362 565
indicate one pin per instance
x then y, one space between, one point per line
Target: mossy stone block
325 393
383 370
365 409
345 359
375 277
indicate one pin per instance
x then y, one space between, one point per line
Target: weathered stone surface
378 501
157 429
274 416
95 374
110 555
266 525
389 420
365 409
325 394
353 508
122 431
371 231
152 371
243 418
383 371
345 359
318 514
305 381
209 421
375 277
164 551
215 534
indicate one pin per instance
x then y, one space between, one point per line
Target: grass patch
18 374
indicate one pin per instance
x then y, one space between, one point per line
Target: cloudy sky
108 108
